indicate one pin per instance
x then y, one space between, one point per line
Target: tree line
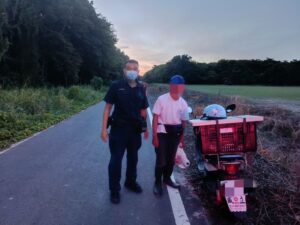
230 72
56 42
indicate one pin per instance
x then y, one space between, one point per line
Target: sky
153 31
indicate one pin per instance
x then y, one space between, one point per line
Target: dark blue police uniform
128 103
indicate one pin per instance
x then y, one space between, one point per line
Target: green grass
26 111
262 92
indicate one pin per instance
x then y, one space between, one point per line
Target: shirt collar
170 97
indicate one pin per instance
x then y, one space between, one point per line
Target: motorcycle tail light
232 168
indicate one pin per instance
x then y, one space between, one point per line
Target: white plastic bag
181 159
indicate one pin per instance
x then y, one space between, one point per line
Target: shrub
283 129
60 102
97 83
75 93
297 136
267 125
24 111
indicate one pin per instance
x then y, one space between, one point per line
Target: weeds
25 111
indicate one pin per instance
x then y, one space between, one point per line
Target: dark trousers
165 155
121 139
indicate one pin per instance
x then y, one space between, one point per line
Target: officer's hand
104 135
146 134
155 141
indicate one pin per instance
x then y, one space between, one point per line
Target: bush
97 83
283 129
75 93
60 102
297 136
6 118
31 102
24 111
268 125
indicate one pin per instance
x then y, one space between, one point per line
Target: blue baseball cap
177 79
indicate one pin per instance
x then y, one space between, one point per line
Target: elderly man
169 115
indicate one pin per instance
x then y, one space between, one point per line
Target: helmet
214 111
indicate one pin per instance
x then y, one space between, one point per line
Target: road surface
60 177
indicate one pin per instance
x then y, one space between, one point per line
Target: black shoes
157 189
172 184
133 186
115 197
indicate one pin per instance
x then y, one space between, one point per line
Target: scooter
224 143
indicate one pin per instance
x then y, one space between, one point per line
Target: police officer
127 121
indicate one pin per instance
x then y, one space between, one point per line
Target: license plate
237 203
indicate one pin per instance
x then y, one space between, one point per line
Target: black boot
172 184
157 189
133 186
115 197
158 173
168 170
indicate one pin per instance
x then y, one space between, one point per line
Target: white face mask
131 74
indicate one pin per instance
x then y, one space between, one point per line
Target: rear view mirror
230 108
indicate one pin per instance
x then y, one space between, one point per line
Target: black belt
173 129
139 124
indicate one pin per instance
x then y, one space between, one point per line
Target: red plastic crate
228 138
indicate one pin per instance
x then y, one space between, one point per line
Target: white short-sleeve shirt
169 111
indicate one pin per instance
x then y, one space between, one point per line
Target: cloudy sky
153 31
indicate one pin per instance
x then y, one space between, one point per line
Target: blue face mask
131 74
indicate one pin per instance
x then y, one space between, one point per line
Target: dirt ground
276 165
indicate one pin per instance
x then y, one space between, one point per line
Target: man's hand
181 143
146 134
155 141
104 135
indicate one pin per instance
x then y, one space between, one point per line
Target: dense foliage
56 42
250 72
25 111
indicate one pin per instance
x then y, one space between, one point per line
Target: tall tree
3 23
59 42
242 72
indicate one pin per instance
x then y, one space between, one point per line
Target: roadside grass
25 111
261 92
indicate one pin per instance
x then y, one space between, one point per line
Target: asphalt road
60 177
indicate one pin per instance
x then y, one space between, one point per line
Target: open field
262 92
